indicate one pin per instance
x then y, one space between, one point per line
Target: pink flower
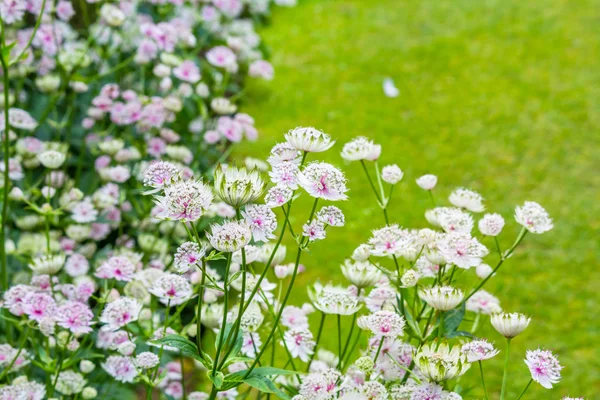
117 267
187 71
74 316
39 306
544 367
261 69
221 56
156 147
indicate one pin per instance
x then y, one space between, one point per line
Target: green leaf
453 319
186 347
217 379
266 371
456 334
225 333
265 385
408 317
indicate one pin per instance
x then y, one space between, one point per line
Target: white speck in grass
389 88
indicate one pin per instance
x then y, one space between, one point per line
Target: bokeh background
500 96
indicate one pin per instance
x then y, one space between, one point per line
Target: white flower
484 303
441 298
533 217
309 139
300 343
462 250
230 236
70 382
262 221
146 360
510 325
391 174
389 88
362 274
479 350
19 119
120 312
362 252
314 230
332 216
47 264
278 196
361 148
467 199
544 367
121 368
238 186
334 300
491 224
450 219
112 15
427 182
184 201
442 362
188 255
285 174
410 278
324 181
51 158
384 323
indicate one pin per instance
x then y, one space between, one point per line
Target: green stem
378 350
483 380
505 375
224 320
312 357
199 309
441 328
4 261
524 390
348 340
339 335
12 362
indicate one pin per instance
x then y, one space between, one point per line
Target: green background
498 96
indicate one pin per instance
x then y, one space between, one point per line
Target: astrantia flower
479 350
484 303
70 382
533 217
188 255
361 148
51 159
391 174
229 236
160 174
47 264
262 221
184 200
172 289
278 196
381 297
467 199
146 360
284 153
510 325
441 298
300 343
74 316
544 367
410 278
427 391
320 385
361 274
450 219
384 323
388 241
294 317
427 182
491 224
309 139
238 186
121 368
285 174
334 299
221 56
440 362
120 312
332 216
39 305
84 212
8 354
323 181
17 118
462 250
117 267
29 390
314 230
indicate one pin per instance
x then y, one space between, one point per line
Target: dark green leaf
459 334
453 318
186 347
265 385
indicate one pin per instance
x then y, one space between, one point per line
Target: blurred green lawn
500 96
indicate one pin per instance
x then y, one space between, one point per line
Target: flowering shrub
134 257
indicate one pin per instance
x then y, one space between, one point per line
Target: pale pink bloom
117 267
121 368
278 196
187 71
251 344
156 147
39 306
300 343
462 250
174 389
230 129
12 11
172 289
385 323
74 316
212 137
544 367
188 255
120 312
221 56
294 317
479 350
99 231
380 297
314 230
76 265
285 174
64 10
102 162
484 303
261 69
14 298
262 222
84 212
322 180
231 8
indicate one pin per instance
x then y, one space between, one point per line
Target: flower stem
483 380
224 320
378 350
524 390
505 369
441 328
339 334
312 357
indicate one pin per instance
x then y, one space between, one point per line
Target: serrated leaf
265 385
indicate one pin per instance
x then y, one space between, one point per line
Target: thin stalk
4 261
524 390
483 381
182 378
441 328
317 341
281 307
199 308
505 375
347 340
378 350
12 362
339 335
224 320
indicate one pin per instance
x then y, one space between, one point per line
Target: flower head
120 312
331 215
188 255
334 299
117 267
74 316
121 368
440 362
314 230
323 181
70 382
544 367
462 250
362 274
479 350
384 323
184 200
491 224
160 174
467 199
427 182
533 217
262 221
48 264
484 303
361 148
309 139
510 325
441 298
238 186
391 174
172 289
278 196
300 343
230 236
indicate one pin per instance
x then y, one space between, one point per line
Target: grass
500 96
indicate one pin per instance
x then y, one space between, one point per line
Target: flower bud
89 393
86 366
